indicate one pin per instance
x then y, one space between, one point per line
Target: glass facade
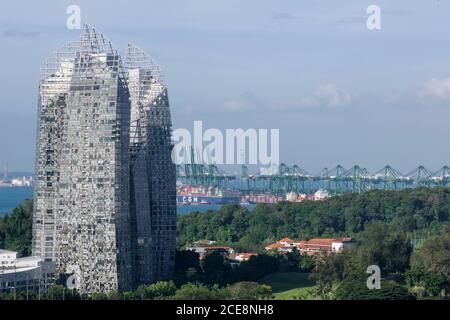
100 197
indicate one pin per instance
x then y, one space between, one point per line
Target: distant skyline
338 92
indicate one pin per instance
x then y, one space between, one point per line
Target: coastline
11 197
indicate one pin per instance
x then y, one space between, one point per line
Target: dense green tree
430 267
385 223
99 296
380 245
215 268
196 291
15 229
130 295
356 289
56 292
185 259
426 283
249 291
159 290
415 212
334 269
434 255
256 268
114 295
306 263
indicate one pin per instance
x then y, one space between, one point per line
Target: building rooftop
300 244
202 243
274 246
320 242
287 240
217 248
3 251
241 256
246 255
345 239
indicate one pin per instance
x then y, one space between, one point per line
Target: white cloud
436 88
330 96
325 96
245 102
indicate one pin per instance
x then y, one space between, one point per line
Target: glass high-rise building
104 200
153 174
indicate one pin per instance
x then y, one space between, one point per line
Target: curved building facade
101 158
153 182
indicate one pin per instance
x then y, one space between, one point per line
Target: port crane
281 179
191 172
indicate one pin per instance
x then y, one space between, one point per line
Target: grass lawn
290 285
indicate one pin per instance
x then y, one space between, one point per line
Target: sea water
11 197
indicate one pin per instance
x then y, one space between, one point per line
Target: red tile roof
246 255
287 240
300 244
344 239
274 246
319 242
312 244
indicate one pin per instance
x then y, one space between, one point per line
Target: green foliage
187 267
15 229
18 295
426 283
186 259
237 291
290 285
434 255
159 290
129 295
383 222
306 263
196 291
430 267
247 290
417 212
59 292
256 268
215 268
382 246
335 269
99 296
343 275
356 289
295 261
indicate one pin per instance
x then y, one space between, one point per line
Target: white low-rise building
321 194
341 244
27 273
22 182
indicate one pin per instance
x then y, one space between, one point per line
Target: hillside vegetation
417 212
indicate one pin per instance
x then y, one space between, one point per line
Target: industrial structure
104 198
190 172
281 179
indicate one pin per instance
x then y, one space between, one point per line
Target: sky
338 92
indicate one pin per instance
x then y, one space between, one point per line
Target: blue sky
338 92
